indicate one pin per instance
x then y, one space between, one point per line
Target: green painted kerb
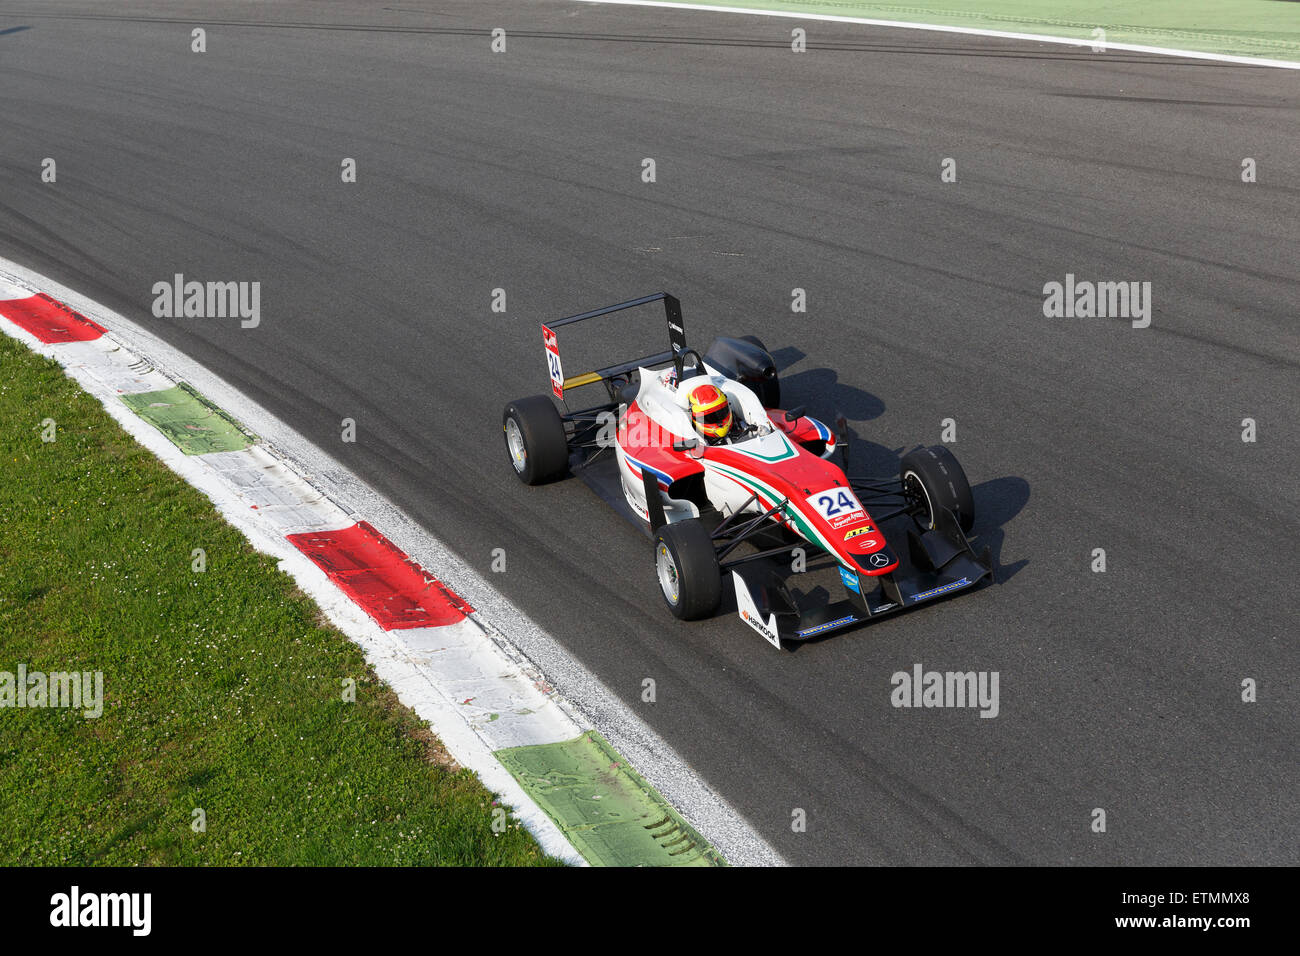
192 424
611 815
1262 28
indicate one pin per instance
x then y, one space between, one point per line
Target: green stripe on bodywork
790 511
1261 28
193 424
611 815
786 453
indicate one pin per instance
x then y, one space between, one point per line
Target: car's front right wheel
932 479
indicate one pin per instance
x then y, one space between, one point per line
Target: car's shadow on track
823 390
997 502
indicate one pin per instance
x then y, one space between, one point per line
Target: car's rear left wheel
535 439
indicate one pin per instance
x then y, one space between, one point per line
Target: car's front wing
939 563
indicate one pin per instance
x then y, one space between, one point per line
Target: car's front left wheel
690 578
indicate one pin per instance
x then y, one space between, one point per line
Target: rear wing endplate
676 338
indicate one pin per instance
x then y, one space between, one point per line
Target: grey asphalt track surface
1118 690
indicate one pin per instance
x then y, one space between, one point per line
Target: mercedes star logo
879 559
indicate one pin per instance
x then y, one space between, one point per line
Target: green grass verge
1262 28
223 689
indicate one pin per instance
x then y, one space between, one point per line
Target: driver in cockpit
711 413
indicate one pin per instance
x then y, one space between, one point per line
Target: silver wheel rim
668 580
912 483
515 442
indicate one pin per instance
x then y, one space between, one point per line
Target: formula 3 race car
748 510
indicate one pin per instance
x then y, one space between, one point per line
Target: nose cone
877 562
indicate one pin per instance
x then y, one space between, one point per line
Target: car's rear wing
676 338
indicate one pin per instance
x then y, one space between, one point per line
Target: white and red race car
751 509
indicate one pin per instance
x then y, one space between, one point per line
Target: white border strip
972 31
538 667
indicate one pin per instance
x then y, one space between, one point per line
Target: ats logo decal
865 529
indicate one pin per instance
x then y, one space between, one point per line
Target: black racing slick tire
535 440
932 479
687 566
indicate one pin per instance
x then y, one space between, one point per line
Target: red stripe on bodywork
50 320
380 579
642 438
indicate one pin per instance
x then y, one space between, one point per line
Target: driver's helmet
710 412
